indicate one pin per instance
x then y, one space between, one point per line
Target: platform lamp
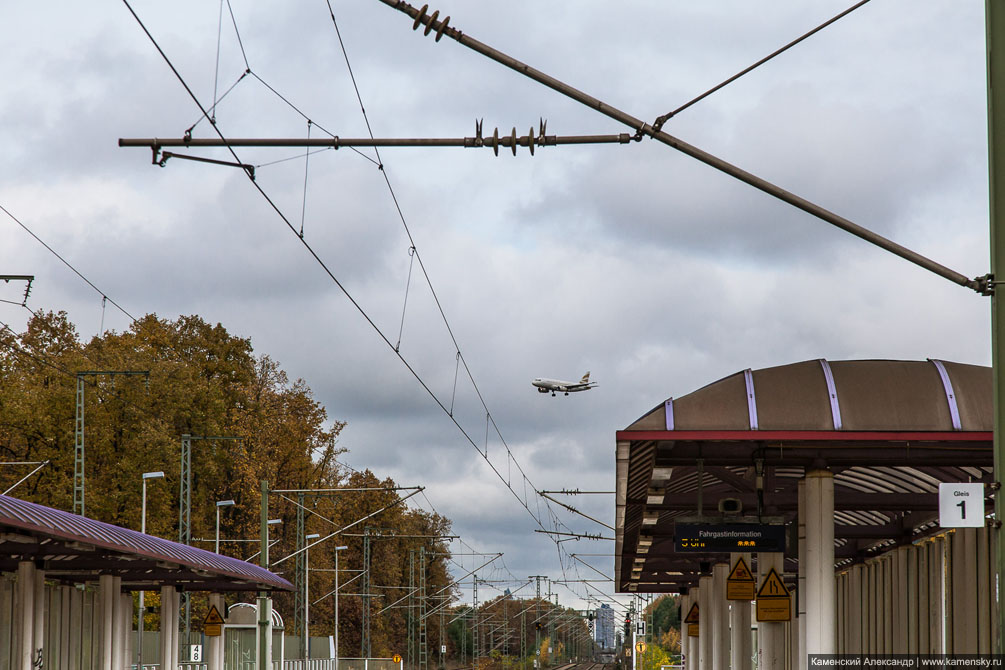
219 504
337 550
143 529
307 596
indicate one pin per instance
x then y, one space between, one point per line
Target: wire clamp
985 285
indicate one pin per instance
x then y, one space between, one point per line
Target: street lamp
219 504
307 591
143 529
337 550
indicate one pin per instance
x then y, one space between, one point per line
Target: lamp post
307 597
337 550
143 529
219 504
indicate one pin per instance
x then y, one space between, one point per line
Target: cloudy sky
651 270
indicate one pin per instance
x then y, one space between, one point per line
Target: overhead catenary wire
660 120
356 305
65 262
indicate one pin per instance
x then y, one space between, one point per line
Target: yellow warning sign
773 600
774 609
772 586
396 658
640 646
740 572
692 615
692 629
740 582
212 624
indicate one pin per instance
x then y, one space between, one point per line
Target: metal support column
820 597
770 636
423 660
474 613
740 641
78 451
185 516
300 580
364 640
720 617
705 630
523 640
995 22
693 641
264 601
410 650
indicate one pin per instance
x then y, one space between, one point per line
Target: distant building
603 631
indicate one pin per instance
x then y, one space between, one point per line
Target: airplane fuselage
560 386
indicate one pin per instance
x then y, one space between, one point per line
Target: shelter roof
75 550
890 431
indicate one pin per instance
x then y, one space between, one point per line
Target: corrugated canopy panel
872 395
76 549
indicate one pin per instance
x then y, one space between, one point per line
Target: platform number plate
961 505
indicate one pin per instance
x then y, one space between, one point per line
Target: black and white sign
961 505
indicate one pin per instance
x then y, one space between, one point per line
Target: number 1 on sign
963 508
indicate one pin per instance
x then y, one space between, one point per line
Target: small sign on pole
773 599
212 625
961 505
740 582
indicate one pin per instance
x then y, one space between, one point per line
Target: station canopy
890 431
74 549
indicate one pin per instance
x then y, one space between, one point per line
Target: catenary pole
995 23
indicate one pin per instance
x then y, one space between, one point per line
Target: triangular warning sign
213 617
741 572
692 616
772 586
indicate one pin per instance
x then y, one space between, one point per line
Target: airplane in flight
553 385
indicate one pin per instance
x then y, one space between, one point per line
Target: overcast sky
653 271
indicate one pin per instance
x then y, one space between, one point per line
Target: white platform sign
961 505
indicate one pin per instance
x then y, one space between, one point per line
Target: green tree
205 381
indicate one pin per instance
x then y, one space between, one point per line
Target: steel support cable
660 120
298 111
65 262
425 273
237 33
216 73
307 164
980 284
320 262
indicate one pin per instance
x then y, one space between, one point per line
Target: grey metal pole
139 617
307 593
995 23
143 529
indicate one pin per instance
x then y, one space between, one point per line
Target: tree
204 381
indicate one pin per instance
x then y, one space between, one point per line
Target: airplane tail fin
585 379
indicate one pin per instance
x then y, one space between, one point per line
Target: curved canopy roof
76 549
890 431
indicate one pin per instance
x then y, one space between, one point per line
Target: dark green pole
995 13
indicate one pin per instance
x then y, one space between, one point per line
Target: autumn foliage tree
204 381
